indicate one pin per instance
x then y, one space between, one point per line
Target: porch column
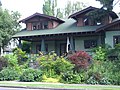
20 45
71 43
43 45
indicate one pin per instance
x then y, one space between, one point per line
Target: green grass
59 85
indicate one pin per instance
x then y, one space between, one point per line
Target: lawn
58 85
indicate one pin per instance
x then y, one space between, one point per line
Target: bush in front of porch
79 67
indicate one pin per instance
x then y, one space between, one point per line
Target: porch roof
105 27
68 27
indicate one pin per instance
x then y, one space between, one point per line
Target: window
90 43
116 40
45 25
34 26
86 21
40 25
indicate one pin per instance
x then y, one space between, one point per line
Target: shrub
46 64
12 60
103 81
52 80
104 72
52 64
100 54
81 60
61 65
26 46
30 75
21 56
92 80
9 74
70 77
3 62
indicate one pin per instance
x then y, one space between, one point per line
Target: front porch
62 43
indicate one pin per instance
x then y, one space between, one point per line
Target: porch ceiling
68 27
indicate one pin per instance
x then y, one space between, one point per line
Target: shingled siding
80 22
29 26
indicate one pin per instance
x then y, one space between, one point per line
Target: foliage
97 73
9 74
100 54
81 60
30 75
70 77
26 46
114 73
12 60
3 62
53 65
51 80
8 25
46 63
107 4
61 65
13 63
72 8
98 14
115 52
50 8
21 56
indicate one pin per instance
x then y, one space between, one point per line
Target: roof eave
82 11
107 26
41 15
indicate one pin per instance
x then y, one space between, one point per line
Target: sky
29 7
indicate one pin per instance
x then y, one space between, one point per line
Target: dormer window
86 21
39 21
45 25
34 26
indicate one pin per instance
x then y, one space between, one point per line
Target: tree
50 8
59 13
8 26
72 8
108 4
107 7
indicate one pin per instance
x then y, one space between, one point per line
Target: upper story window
40 25
34 26
86 21
45 25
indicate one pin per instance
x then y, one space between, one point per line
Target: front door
62 48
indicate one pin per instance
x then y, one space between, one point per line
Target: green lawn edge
58 85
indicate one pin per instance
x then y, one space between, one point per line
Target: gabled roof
66 28
103 28
82 11
88 9
42 15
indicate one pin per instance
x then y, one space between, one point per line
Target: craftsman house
77 32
